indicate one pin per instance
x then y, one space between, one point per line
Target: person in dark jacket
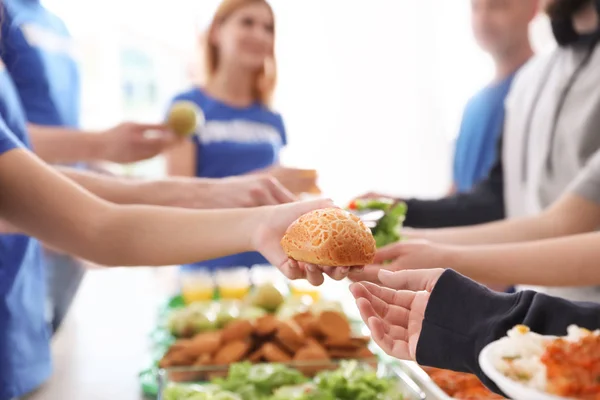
413 316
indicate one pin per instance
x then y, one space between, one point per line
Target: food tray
406 385
423 380
161 339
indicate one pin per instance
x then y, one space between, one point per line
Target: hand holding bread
319 238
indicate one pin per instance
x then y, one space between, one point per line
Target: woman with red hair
242 134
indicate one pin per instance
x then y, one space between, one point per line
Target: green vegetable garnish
387 229
353 381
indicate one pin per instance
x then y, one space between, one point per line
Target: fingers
367 274
388 252
314 274
400 298
391 313
291 269
151 127
261 196
279 192
370 195
395 348
395 332
413 280
302 207
336 273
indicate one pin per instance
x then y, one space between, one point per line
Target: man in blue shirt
501 28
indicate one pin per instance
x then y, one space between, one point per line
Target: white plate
512 389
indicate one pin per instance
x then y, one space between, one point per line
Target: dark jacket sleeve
484 203
462 317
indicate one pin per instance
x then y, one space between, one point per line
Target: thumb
305 206
418 308
369 274
414 280
388 252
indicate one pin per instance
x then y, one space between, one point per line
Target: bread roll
331 237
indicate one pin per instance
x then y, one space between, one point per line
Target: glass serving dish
200 377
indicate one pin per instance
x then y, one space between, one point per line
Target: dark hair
564 9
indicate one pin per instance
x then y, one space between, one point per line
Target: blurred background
352 77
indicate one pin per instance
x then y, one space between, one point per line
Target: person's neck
507 64
232 86
586 19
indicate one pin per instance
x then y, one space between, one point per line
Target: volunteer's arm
44 204
124 143
568 261
572 214
183 192
484 203
577 211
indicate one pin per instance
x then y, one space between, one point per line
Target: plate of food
298 331
346 380
526 365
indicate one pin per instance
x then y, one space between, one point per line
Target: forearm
505 231
543 263
164 192
456 328
79 223
61 145
145 235
571 214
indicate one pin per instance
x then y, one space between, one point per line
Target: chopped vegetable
352 381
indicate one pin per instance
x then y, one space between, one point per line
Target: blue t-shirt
480 129
235 141
24 337
39 55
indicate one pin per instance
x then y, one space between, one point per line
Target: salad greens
352 381
387 229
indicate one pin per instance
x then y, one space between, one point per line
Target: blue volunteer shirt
235 141
24 338
39 55
480 129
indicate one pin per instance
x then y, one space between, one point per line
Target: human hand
296 180
130 142
394 311
235 192
250 191
274 222
376 195
413 254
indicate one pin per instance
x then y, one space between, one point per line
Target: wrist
98 148
256 226
451 256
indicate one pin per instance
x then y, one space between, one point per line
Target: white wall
371 90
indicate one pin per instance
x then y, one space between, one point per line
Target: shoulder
533 69
191 94
270 115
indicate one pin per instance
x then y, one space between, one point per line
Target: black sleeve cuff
461 318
